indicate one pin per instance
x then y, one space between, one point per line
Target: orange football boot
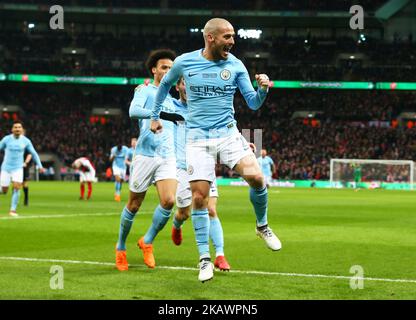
147 249
121 260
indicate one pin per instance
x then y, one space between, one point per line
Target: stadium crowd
284 57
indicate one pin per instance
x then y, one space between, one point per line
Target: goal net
366 173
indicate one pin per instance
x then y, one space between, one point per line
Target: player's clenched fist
156 126
263 81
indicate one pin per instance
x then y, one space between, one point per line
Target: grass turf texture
322 231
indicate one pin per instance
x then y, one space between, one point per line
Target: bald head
215 25
219 39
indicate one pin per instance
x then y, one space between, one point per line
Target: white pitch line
54 216
251 272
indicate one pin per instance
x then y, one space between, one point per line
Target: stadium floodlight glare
352 57
31 25
249 33
374 173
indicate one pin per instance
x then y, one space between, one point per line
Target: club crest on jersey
190 170
225 74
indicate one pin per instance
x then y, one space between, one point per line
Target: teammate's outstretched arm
168 80
137 110
253 98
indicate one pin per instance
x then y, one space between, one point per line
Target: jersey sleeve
3 143
253 98
34 154
168 80
126 153
137 109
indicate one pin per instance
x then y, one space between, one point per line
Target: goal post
372 173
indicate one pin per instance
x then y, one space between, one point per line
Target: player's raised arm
253 98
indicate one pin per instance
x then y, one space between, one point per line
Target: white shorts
183 192
268 180
147 170
117 171
88 176
201 155
14 176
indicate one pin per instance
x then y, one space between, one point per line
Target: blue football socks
258 198
200 221
126 221
217 236
160 218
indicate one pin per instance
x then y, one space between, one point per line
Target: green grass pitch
324 233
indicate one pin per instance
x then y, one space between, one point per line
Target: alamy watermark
57 280
357 281
57 20
357 20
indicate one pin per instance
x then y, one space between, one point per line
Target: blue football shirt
119 156
266 165
14 149
210 88
150 144
180 134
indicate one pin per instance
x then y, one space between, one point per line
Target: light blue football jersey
119 156
150 144
210 89
14 149
266 165
130 154
180 134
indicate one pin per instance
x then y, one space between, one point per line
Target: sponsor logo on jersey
207 90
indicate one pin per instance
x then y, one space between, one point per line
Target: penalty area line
249 272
